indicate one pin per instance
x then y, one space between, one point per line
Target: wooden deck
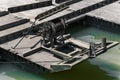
109 13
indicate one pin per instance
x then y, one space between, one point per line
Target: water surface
104 67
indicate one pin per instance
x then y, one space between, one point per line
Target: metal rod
18 42
25 34
36 44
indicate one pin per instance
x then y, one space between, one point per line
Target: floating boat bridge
32 35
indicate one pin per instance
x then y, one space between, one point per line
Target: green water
104 67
